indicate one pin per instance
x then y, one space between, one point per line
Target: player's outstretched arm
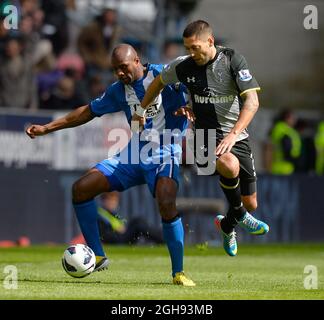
152 91
75 118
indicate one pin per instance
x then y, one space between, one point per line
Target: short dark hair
197 28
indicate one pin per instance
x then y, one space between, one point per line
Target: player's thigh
243 153
90 185
163 184
121 176
162 180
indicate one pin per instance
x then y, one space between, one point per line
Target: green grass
257 272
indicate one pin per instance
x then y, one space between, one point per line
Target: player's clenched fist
187 112
36 130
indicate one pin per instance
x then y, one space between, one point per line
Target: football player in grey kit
224 101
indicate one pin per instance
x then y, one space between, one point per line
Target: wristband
140 111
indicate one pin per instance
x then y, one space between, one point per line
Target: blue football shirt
159 115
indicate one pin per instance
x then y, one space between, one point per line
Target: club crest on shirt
245 75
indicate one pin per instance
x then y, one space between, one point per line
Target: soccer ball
78 260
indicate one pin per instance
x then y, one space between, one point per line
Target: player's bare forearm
152 92
249 109
75 118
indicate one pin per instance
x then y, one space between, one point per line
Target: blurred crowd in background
58 59
295 145
59 56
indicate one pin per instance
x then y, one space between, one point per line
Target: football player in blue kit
155 164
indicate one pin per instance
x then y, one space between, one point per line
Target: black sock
231 218
231 189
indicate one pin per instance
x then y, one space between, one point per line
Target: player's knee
250 205
228 165
167 208
79 193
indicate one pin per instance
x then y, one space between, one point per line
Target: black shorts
243 152
248 177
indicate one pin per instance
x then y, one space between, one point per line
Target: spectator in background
35 46
17 82
171 50
73 66
96 41
71 63
31 29
55 24
3 36
94 88
319 144
286 144
306 161
48 76
64 96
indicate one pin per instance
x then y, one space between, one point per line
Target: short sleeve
156 69
243 76
169 72
107 103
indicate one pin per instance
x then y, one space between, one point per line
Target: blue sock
174 237
87 216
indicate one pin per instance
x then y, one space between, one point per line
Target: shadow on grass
94 282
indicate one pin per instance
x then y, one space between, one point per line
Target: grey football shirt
215 88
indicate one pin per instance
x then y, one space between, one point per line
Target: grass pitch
257 272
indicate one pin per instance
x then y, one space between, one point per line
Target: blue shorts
122 176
